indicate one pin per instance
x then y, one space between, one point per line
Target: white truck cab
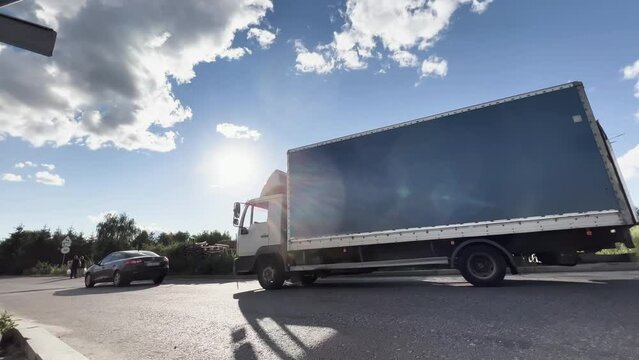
261 236
261 224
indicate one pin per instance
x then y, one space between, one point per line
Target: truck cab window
260 213
256 213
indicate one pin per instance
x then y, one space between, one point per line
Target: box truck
472 189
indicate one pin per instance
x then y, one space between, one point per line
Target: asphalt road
536 316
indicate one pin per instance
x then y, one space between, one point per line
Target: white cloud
309 61
22 165
47 178
479 6
109 81
99 217
263 37
629 164
404 58
233 131
399 27
159 40
11 177
234 53
631 72
49 167
434 66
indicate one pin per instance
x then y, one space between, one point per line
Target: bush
621 248
59 270
44 268
182 261
6 323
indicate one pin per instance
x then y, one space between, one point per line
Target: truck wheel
482 265
270 273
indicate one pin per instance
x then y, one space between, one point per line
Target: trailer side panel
534 156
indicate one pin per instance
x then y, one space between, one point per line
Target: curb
39 344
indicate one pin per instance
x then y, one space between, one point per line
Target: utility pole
26 35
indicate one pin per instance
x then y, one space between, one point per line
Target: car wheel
270 273
88 280
158 280
482 265
118 280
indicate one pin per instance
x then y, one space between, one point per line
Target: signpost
66 242
26 35
66 247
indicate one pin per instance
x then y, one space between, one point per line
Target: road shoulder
40 344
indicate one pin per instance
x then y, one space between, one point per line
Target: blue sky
189 180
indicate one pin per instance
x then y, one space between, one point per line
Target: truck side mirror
236 221
236 210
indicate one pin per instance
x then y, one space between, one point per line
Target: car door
100 269
111 265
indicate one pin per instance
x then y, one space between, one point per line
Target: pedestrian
83 265
74 267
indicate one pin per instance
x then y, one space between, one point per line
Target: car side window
107 259
117 256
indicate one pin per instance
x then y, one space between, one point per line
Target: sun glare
232 166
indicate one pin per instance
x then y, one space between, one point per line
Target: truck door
254 229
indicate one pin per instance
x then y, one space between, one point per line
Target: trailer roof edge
444 114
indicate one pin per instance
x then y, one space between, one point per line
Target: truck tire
270 273
482 265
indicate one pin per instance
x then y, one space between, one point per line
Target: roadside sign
66 242
65 250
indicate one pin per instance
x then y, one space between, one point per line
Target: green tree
23 249
141 240
116 232
179 237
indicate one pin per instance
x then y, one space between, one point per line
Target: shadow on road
55 280
102 289
380 317
178 280
30 290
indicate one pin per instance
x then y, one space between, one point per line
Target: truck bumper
244 265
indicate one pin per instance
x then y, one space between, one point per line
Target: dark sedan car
122 267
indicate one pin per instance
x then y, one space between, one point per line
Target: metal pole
63 256
26 35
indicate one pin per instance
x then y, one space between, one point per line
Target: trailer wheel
270 273
482 265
